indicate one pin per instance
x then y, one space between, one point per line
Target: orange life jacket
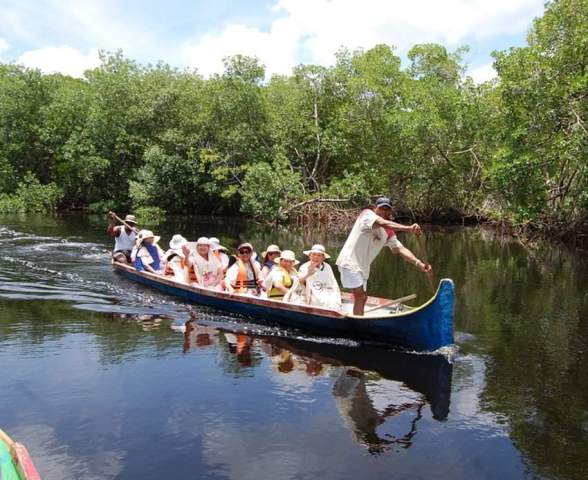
168 268
243 284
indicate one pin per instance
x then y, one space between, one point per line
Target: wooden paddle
421 241
116 217
387 303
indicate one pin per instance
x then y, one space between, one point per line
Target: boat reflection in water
373 387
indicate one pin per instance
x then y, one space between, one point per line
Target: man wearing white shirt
372 231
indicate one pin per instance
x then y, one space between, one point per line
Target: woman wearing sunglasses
244 276
269 259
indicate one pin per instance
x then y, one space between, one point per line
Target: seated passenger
268 259
244 276
125 237
282 275
320 285
147 255
220 253
175 259
207 269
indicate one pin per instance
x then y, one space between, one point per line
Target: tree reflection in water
371 385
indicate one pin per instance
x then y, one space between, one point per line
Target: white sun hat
203 241
317 248
287 255
215 245
177 242
271 249
145 234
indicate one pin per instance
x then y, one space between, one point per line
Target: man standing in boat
124 237
372 231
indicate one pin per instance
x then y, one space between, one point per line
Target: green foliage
349 187
541 166
149 215
268 190
153 136
31 196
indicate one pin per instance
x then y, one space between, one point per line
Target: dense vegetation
128 135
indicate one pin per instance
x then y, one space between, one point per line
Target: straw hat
145 234
317 248
271 249
203 241
215 245
245 245
287 255
131 219
177 242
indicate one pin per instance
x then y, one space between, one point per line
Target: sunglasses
244 250
273 253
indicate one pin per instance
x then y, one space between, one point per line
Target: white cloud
61 59
84 24
483 73
314 30
4 45
276 49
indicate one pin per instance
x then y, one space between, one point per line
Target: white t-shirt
209 270
364 243
321 289
124 241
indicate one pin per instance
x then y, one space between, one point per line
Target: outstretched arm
399 227
411 258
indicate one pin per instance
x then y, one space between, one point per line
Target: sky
66 35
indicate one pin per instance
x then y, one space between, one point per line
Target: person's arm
229 280
278 283
112 230
411 258
306 271
258 276
148 268
195 270
399 227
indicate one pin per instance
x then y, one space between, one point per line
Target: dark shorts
126 253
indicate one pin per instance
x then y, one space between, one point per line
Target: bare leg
359 299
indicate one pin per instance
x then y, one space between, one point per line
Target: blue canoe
426 327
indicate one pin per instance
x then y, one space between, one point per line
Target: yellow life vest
276 293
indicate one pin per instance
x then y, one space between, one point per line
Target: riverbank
340 219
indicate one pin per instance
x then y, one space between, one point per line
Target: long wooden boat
15 461
426 327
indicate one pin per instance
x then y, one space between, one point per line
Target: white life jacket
322 289
124 241
208 270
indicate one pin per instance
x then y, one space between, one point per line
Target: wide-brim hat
131 219
287 255
317 248
271 249
145 234
203 241
245 245
177 242
214 246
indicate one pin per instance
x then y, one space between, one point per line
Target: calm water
103 379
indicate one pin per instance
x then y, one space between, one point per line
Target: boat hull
15 461
428 327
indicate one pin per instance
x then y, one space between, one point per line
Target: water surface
102 378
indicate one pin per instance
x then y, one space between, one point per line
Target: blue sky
65 35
